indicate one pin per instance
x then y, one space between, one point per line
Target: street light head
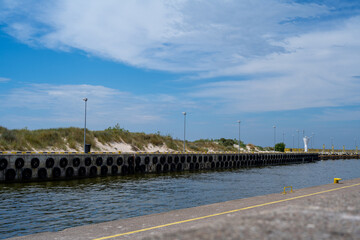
85 99
238 121
184 113
274 126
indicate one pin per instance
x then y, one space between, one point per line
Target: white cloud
352 114
288 57
63 104
2 79
317 69
177 35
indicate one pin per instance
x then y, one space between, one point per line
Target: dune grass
63 139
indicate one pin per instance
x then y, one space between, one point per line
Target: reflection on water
53 206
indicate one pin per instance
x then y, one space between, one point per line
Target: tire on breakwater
42 173
3 164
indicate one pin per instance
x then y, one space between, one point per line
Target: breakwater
22 167
331 156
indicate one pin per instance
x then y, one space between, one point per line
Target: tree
280 147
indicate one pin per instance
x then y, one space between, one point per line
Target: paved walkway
321 212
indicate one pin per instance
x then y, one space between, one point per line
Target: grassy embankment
65 138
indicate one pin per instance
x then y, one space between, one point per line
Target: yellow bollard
284 192
336 180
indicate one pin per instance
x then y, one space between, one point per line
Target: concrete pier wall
51 166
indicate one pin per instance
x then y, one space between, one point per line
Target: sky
141 63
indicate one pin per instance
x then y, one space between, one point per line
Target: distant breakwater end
29 167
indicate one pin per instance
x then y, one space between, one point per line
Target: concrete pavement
321 212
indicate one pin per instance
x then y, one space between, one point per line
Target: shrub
280 147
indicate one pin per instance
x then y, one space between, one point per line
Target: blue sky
294 64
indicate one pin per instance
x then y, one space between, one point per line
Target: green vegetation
280 147
63 139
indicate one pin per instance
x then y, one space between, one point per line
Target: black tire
131 161
104 170
82 172
3 163
63 162
19 163
137 160
166 168
179 167
114 170
93 171
162 159
56 172
109 161
99 161
158 168
49 163
69 172
124 170
176 159
76 162
182 159
87 161
142 168
194 159
26 174
191 166
137 169
10 175
42 173
197 166
35 162
131 169
119 161
172 167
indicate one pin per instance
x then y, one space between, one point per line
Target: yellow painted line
222 213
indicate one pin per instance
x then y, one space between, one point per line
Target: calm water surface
53 206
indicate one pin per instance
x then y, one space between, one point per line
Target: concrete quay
329 211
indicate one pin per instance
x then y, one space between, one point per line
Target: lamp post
355 144
184 127
283 137
293 140
85 100
312 140
274 136
239 133
332 143
298 131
